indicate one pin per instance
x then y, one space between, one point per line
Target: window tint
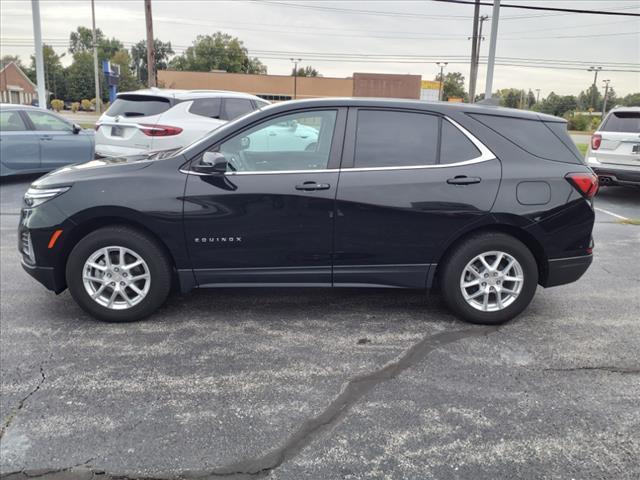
46 121
11 122
236 107
455 146
138 106
207 107
532 136
300 141
622 122
393 139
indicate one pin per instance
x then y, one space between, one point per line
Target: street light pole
37 37
151 54
295 76
606 94
441 65
537 95
96 72
595 71
491 61
474 43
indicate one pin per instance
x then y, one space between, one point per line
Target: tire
465 260
152 277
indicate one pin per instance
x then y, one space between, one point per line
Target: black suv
482 202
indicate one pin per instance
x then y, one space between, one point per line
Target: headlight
37 196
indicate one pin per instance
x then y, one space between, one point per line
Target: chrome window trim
485 155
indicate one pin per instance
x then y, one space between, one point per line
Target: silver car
614 153
33 140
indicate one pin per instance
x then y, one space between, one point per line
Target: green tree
531 99
128 80
631 100
453 86
219 51
557 105
107 48
7 59
82 40
590 98
163 51
80 82
54 73
307 71
510 97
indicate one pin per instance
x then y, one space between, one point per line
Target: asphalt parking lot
321 384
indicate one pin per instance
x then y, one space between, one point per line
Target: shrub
75 106
57 104
578 122
86 104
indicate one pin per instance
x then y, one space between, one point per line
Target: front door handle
463 180
311 186
46 137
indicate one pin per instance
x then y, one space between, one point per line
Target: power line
548 9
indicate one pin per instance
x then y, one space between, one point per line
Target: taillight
585 183
596 140
159 130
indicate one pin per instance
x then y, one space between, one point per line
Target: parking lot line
611 213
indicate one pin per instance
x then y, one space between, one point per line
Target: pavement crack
605 368
11 417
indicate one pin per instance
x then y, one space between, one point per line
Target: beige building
15 86
285 87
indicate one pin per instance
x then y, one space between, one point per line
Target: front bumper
46 276
561 271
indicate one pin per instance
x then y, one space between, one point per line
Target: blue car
33 140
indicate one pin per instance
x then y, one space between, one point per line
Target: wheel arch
519 233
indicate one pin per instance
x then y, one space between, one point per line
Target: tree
631 100
7 59
54 74
82 40
219 51
531 100
510 97
557 105
163 51
128 81
307 71
108 47
453 86
80 83
586 99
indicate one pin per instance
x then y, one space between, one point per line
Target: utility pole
474 43
491 61
537 95
37 38
151 53
606 95
595 79
295 76
96 73
441 65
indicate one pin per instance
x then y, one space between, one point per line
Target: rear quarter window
138 106
533 136
627 122
206 107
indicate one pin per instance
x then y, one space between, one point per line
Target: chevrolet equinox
482 202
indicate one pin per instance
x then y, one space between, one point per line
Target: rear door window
138 106
11 121
627 122
395 139
206 107
455 146
236 107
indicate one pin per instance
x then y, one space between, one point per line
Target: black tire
146 247
456 262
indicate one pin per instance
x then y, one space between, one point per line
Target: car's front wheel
489 278
118 274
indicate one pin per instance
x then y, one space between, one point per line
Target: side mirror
76 128
212 163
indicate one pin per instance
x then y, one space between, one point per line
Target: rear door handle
463 180
311 186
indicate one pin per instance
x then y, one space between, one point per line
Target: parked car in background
159 119
484 203
614 153
33 140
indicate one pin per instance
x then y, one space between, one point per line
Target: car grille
26 248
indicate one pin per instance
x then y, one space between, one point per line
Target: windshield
628 122
138 106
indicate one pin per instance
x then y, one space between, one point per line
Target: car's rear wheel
118 274
489 278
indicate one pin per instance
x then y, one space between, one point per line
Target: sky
549 51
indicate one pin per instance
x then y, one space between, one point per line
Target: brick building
15 86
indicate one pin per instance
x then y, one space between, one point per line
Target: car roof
15 106
625 109
190 94
440 107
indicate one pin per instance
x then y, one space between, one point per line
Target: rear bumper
561 271
613 175
46 276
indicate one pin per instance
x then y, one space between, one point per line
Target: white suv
158 119
614 153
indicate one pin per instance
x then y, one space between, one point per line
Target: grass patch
630 221
583 148
90 126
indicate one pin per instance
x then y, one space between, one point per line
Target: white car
614 153
289 136
158 119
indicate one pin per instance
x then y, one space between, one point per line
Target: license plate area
117 131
